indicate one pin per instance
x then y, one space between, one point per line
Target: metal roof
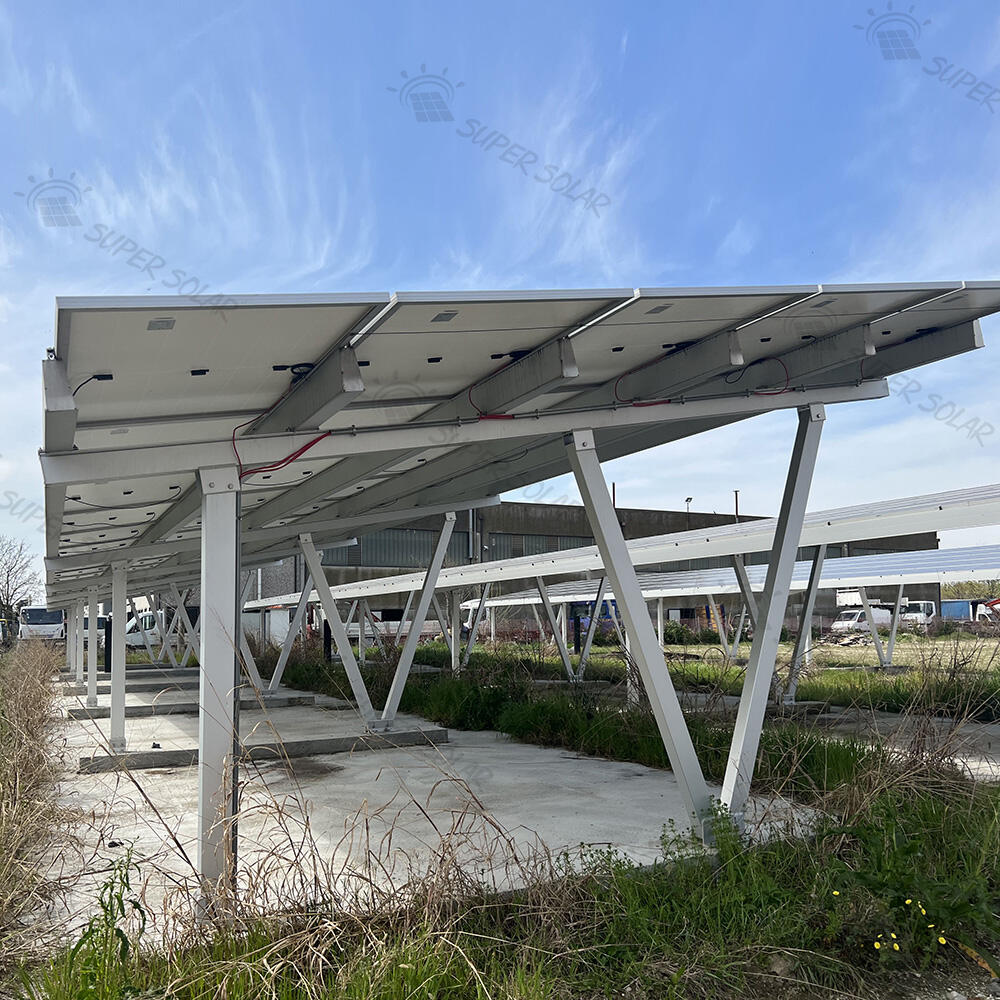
969 508
343 412
882 570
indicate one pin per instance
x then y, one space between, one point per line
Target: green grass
900 843
908 847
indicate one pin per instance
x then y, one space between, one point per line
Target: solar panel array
472 372
886 569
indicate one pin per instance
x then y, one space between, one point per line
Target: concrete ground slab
499 810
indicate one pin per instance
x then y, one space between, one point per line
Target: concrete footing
146 759
186 707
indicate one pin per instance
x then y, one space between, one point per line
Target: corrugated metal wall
398 547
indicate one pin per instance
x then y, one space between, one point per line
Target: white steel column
891 644
218 719
476 622
734 648
362 629
872 628
249 663
723 641
556 629
92 606
340 637
404 616
647 653
78 642
493 625
538 622
771 613
442 619
595 617
803 642
190 632
378 634
118 613
456 631
419 616
70 630
659 620
142 630
168 631
293 629
739 568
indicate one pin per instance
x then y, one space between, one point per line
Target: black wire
83 383
126 506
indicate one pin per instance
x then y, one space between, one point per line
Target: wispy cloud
16 91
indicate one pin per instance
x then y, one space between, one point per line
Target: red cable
288 459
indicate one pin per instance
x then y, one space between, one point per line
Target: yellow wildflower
877 945
895 947
909 901
835 892
941 940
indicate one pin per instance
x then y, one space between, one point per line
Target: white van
855 620
156 625
41 623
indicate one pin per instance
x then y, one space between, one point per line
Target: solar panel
340 406
883 570
970 508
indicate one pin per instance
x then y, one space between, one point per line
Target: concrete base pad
145 759
163 707
143 685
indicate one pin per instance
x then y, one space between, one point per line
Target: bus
41 623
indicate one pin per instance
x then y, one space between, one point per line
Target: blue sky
258 148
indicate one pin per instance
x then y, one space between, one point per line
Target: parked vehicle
855 619
972 609
38 622
918 613
102 623
156 624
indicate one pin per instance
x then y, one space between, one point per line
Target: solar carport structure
889 569
184 439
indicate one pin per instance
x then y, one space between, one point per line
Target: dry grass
32 824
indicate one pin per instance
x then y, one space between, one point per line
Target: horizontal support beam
526 378
104 466
319 527
331 385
